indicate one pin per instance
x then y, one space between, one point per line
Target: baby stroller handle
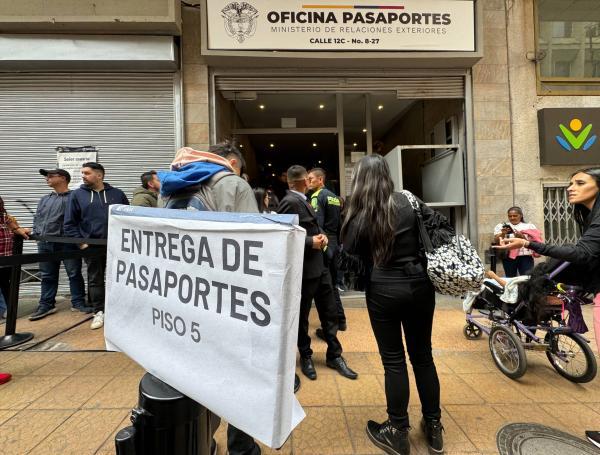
559 269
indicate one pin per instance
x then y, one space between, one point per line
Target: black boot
308 368
389 438
433 433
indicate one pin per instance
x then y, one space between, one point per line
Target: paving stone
322 392
5 356
70 393
494 388
27 362
454 390
119 392
106 364
66 364
357 418
28 428
469 362
364 391
82 433
479 423
323 432
531 414
5 415
576 417
22 391
109 445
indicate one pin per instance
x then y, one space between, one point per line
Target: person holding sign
86 216
211 181
316 279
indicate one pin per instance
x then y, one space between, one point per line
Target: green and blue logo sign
569 136
576 137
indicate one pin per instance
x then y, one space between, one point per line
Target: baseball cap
62 172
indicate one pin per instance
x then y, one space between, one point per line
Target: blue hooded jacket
86 215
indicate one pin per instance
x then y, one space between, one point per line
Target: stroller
537 314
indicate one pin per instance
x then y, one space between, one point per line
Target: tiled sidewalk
74 402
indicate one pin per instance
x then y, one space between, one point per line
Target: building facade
456 110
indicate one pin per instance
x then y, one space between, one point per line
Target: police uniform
327 207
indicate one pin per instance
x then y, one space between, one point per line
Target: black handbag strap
423 234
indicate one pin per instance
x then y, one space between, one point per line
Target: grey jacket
233 194
50 215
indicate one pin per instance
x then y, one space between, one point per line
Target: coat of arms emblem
240 20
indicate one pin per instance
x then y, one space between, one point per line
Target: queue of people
379 227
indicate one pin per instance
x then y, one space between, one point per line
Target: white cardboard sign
341 25
209 303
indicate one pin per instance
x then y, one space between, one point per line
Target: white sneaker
98 320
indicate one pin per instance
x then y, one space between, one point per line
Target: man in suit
316 279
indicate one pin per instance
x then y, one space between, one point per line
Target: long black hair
583 215
260 194
371 206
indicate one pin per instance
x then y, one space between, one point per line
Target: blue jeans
522 265
2 303
50 270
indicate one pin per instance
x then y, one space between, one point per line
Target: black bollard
11 338
165 422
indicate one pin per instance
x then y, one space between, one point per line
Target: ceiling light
355 144
273 175
261 106
271 145
321 106
380 107
269 164
314 144
320 162
364 130
241 146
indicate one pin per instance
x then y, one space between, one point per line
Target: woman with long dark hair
381 228
585 254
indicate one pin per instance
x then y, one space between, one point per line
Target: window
568 46
559 224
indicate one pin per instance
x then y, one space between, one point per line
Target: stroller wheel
471 331
508 352
571 357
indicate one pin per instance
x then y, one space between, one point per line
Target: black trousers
238 442
405 306
96 270
5 273
333 252
321 290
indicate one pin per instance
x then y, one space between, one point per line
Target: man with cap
49 222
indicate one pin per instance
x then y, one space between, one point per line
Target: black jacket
407 259
584 255
293 203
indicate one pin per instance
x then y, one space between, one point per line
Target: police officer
327 207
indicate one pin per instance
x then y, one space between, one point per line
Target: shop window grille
559 223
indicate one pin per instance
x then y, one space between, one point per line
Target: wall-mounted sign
71 158
569 136
339 25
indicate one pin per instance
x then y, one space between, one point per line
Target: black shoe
82 309
593 437
388 438
342 326
308 368
433 433
339 364
41 313
320 334
296 383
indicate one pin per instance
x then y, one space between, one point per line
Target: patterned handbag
454 267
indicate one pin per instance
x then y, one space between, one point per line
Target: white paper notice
209 303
